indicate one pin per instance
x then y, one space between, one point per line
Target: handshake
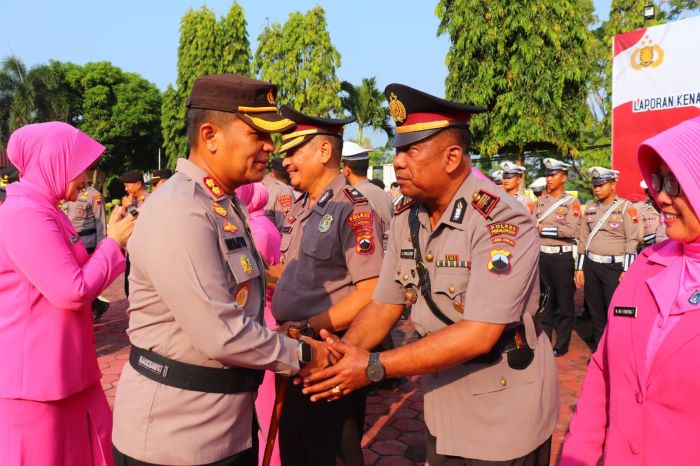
335 368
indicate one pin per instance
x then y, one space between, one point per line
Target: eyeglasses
669 182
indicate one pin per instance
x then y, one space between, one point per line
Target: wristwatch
375 370
304 352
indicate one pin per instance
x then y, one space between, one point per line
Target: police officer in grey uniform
355 166
465 255
280 195
607 245
512 179
332 254
199 345
558 215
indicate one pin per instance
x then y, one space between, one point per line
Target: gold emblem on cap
270 97
397 109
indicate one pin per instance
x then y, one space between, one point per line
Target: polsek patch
362 227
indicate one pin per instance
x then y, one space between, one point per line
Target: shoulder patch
405 204
576 206
285 201
354 195
484 202
361 224
632 213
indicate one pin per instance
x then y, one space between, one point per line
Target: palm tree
366 103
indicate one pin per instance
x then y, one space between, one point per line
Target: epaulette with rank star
404 204
213 187
354 195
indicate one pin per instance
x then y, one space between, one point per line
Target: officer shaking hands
199 346
465 255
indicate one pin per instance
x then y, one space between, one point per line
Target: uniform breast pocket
315 264
243 265
450 287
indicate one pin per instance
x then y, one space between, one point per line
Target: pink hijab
679 147
51 155
267 237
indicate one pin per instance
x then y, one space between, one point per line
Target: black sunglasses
669 182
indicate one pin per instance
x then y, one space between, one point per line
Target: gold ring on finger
336 390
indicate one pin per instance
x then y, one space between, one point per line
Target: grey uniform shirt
379 200
482 258
197 296
326 249
560 225
619 233
279 201
87 214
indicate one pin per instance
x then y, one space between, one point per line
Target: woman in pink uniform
267 240
639 404
52 407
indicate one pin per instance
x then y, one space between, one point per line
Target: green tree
301 60
206 47
528 63
368 105
122 111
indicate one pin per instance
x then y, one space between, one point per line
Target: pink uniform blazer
627 413
47 283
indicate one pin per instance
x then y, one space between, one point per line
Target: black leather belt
88 232
192 377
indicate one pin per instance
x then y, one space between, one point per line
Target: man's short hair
196 117
357 167
460 136
378 183
394 184
336 144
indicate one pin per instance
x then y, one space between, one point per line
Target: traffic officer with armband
557 215
198 343
332 254
465 255
607 245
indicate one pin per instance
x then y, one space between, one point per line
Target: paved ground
394 433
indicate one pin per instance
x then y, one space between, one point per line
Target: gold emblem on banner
647 56
398 111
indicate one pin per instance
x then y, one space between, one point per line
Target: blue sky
393 40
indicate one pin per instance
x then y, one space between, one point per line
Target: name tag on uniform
408 254
625 311
235 243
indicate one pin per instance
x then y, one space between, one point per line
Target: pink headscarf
267 237
679 147
51 155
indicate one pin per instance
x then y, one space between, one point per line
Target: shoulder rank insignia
230 227
220 211
403 205
325 197
212 186
354 195
484 202
460 206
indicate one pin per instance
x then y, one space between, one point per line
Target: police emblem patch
242 295
247 265
285 201
325 224
362 227
499 262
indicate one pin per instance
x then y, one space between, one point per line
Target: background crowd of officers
589 246
354 257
